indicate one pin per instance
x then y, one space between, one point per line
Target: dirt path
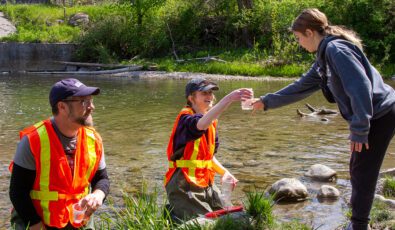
6 27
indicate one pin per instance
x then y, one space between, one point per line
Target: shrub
389 187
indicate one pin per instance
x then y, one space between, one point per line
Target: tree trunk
249 5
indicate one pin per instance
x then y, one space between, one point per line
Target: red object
224 211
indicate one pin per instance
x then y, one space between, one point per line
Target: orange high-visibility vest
55 190
196 162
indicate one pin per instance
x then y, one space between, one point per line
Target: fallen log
204 59
315 111
322 111
87 64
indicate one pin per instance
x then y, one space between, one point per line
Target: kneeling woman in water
193 142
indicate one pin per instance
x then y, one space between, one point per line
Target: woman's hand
357 146
241 94
228 176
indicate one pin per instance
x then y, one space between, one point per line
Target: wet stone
288 189
251 163
389 202
327 191
233 165
321 172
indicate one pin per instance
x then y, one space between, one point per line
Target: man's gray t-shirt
24 157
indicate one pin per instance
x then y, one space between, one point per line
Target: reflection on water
135 117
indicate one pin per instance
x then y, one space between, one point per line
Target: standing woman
347 78
193 143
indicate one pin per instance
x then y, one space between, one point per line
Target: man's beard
84 121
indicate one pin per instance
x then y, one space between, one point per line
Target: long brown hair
315 20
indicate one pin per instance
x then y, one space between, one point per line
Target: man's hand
92 202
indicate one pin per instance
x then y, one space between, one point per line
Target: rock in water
321 172
327 191
288 189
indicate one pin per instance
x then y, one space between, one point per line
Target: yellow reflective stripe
43 195
191 171
73 196
195 149
192 164
38 124
91 152
187 110
54 196
212 145
45 162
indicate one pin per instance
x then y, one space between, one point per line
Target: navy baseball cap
70 87
199 84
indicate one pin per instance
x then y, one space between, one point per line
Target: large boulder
321 172
388 172
389 202
288 189
327 191
79 19
6 27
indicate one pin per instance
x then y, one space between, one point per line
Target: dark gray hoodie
356 85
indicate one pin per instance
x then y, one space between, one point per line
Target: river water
135 117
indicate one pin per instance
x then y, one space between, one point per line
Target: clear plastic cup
226 192
78 213
247 104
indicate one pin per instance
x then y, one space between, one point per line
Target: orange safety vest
55 190
196 162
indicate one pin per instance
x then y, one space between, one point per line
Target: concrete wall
34 56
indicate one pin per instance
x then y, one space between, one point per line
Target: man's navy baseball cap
199 84
70 87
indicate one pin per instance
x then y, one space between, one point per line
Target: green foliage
260 208
227 222
49 23
380 213
139 212
106 41
373 20
389 187
294 225
163 28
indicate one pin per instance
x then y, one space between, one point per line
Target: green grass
260 208
140 212
245 62
234 65
143 211
389 187
380 216
49 23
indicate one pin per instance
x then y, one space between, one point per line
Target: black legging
365 167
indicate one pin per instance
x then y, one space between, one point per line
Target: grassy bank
234 66
241 62
143 211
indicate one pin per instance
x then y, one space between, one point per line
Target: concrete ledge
34 56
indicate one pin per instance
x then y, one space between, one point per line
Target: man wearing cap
189 180
58 162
